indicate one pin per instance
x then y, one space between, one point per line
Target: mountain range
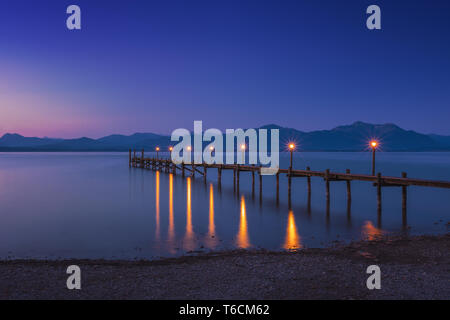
352 137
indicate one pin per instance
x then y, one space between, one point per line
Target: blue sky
153 66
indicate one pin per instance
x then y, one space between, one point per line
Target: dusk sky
154 66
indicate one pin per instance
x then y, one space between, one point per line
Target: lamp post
243 152
170 150
373 145
157 151
291 150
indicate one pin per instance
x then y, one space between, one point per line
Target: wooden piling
237 177
142 158
134 158
129 158
278 187
260 182
404 201
219 175
308 179
182 169
253 180
204 171
349 189
379 182
327 186
289 183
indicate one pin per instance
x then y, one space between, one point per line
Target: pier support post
234 179
253 180
237 178
260 184
204 171
219 175
134 158
278 187
404 201
193 170
349 189
289 184
327 188
308 179
182 169
129 158
142 158
379 193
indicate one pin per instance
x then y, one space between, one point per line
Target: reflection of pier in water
378 180
242 239
292 241
211 239
189 237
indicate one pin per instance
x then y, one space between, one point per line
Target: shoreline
415 267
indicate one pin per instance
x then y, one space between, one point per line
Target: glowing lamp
291 146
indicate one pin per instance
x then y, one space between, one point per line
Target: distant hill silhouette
352 137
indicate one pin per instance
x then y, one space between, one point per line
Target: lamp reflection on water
171 231
157 206
211 238
189 241
292 241
370 232
242 239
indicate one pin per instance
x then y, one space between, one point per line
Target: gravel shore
411 268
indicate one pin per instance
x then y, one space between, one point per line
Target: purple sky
153 66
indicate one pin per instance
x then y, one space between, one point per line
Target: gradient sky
153 66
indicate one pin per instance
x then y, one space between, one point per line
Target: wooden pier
378 180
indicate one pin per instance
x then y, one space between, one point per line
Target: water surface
92 205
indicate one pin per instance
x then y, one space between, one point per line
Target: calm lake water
91 205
